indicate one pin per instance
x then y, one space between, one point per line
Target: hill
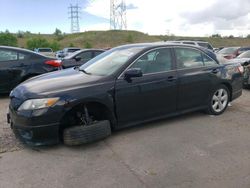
112 38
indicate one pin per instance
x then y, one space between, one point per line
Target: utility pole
118 17
74 18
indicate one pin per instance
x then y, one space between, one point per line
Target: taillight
54 63
240 69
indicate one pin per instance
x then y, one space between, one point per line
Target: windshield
244 55
109 62
230 50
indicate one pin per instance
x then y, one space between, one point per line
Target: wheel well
229 87
97 110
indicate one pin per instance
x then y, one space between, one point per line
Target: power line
118 17
74 18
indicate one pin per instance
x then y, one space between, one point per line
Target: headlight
34 104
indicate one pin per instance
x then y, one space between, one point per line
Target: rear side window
85 56
188 58
208 61
8 55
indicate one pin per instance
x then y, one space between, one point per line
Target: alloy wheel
220 100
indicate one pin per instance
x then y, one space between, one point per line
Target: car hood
54 83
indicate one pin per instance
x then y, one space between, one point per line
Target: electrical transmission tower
118 18
74 18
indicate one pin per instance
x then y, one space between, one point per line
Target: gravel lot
194 150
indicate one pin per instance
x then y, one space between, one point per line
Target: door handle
171 78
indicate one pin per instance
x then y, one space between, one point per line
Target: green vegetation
8 39
104 39
42 43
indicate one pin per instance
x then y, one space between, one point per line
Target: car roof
18 49
21 50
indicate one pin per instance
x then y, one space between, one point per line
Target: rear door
12 68
153 94
197 75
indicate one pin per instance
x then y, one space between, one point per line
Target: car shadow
137 128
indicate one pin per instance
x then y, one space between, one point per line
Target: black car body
80 57
17 65
126 85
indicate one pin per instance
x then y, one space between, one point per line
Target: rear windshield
45 50
73 50
205 45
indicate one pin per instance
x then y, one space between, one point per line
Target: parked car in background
229 52
59 54
68 51
243 49
121 87
244 60
80 57
17 65
203 44
45 51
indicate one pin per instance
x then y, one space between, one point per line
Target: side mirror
77 58
132 73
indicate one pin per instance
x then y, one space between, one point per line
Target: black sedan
17 65
80 57
122 87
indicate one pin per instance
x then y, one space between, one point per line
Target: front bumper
35 130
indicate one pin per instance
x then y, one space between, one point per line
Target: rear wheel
218 101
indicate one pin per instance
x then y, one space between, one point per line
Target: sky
157 17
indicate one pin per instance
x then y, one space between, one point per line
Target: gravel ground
8 142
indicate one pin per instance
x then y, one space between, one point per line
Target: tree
37 43
8 39
20 34
58 34
216 36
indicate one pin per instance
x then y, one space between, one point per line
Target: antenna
118 17
74 18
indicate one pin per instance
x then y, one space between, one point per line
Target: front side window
188 58
8 55
159 60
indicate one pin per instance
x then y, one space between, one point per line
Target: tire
218 101
78 135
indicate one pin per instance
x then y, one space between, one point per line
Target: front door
152 95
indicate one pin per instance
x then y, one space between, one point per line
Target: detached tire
218 101
78 135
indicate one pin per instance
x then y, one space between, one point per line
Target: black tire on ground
211 110
78 135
